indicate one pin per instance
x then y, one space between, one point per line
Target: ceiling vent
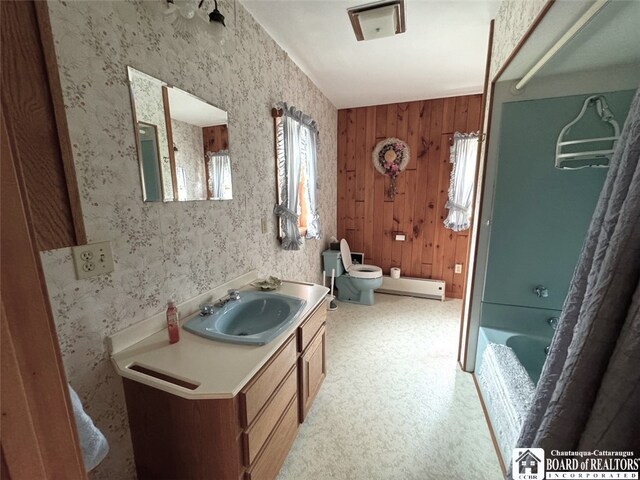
378 20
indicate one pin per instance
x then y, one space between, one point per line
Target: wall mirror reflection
182 141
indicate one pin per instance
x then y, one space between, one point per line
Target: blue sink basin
255 319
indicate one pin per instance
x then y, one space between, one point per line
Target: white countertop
220 369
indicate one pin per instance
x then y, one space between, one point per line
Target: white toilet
358 282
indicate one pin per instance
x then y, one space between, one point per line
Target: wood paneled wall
215 138
368 218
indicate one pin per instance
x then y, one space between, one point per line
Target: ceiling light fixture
378 20
182 12
215 15
189 9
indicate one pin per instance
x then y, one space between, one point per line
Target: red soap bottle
172 322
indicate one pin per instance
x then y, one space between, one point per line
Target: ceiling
443 52
611 38
189 109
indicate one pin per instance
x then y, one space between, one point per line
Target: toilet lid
345 252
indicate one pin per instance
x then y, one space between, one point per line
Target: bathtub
530 349
506 392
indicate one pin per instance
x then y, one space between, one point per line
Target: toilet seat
365 271
355 270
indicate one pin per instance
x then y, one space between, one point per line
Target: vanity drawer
257 392
270 461
256 436
311 326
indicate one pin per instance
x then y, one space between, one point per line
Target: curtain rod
278 113
569 34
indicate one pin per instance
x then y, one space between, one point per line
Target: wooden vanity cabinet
246 437
312 364
312 370
178 438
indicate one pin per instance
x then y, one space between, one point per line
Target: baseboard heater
413 287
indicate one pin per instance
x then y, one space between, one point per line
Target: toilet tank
331 259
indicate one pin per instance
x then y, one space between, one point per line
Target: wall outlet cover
92 259
400 237
458 268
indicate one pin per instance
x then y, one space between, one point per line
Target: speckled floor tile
395 405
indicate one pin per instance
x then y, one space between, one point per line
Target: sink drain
242 334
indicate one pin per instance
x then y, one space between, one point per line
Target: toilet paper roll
395 272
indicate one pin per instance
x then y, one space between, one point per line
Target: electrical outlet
458 268
93 259
263 224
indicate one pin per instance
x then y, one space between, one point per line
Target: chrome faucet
553 321
206 309
231 296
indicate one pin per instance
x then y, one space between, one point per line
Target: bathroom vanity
205 409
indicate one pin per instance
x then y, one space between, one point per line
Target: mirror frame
165 86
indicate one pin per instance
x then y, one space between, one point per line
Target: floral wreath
390 157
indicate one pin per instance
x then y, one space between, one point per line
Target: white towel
92 442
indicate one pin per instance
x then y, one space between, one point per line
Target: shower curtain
588 396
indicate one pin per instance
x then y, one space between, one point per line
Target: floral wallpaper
149 106
185 248
178 249
512 21
190 157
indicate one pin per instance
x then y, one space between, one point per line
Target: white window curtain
464 157
297 152
220 175
313 218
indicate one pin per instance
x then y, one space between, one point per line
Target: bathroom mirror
182 142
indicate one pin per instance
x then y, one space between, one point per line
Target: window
219 176
296 155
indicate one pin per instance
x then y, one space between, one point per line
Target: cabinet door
313 369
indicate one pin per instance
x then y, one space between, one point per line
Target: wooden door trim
66 151
483 141
30 339
17 422
494 438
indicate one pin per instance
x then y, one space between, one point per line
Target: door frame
480 182
39 436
